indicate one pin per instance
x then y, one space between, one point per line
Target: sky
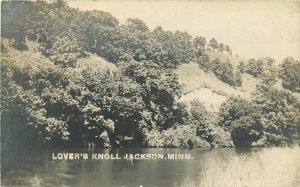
253 29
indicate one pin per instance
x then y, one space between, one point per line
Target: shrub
183 136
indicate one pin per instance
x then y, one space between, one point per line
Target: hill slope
207 88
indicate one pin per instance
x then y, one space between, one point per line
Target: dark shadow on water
29 168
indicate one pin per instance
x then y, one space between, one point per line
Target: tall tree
199 42
228 50
290 73
213 44
221 47
241 118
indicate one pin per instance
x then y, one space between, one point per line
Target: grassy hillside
207 88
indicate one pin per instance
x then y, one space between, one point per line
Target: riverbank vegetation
82 79
268 167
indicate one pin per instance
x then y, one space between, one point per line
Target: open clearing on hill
208 88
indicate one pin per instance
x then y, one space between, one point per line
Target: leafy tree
199 117
112 109
40 96
254 67
264 68
270 71
61 3
203 60
206 128
199 42
13 22
232 110
228 50
241 67
246 130
198 112
241 119
176 47
159 90
279 114
65 50
136 25
224 71
238 79
290 74
221 47
213 44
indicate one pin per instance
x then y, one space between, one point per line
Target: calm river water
39 169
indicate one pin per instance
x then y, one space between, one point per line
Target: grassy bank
274 167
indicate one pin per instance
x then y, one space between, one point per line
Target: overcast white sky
252 29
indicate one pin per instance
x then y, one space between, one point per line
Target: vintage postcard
148 93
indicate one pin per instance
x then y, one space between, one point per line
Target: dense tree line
52 94
222 70
270 118
54 25
69 103
214 45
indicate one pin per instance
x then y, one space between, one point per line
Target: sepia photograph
150 93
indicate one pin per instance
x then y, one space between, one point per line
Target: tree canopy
80 78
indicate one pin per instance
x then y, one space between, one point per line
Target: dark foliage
241 119
51 98
223 70
290 73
